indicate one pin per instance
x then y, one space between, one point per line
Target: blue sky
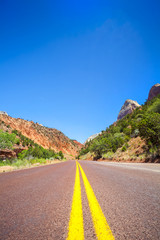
71 65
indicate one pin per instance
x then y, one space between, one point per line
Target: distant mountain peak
127 108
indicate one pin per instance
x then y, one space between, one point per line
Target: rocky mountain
154 91
49 138
135 138
128 107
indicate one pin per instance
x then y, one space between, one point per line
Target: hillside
135 137
48 138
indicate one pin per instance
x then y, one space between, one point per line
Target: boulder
127 108
7 154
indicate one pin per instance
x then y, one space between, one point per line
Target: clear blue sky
71 65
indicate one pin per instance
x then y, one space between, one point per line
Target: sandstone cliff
44 136
154 91
127 108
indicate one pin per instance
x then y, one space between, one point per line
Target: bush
20 163
149 128
61 155
135 133
17 141
155 107
127 131
5 162
15 132
7 140
124 148
108 155
40 153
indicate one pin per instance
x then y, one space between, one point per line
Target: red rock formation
78 143
44 136
154 91
6 153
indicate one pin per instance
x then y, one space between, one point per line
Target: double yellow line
76 229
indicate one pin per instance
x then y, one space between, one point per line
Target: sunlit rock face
127 108
92 137
49 138
3 113
154 91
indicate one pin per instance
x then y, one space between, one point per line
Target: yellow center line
75 229
101 226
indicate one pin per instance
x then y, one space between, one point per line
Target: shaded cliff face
127 108
46 137
154 91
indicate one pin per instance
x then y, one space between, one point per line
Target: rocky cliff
127 108
44 136
154 91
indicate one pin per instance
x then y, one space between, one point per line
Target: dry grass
8 168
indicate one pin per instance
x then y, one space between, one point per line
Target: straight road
96 200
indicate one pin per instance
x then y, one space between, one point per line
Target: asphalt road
36 203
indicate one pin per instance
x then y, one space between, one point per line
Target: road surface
97 200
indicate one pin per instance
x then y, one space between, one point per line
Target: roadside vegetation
7 140
34 154
144 122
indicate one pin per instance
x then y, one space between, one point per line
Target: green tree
7 140
149 128
61 155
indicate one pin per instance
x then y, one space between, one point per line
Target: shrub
19 163
61 155
15 132
127 131
149 128
108 155
7 140
124 148
18 141
155 107
40 153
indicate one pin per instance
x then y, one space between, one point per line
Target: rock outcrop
92 137
44 136
154 91
3 113
127 108
7 154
